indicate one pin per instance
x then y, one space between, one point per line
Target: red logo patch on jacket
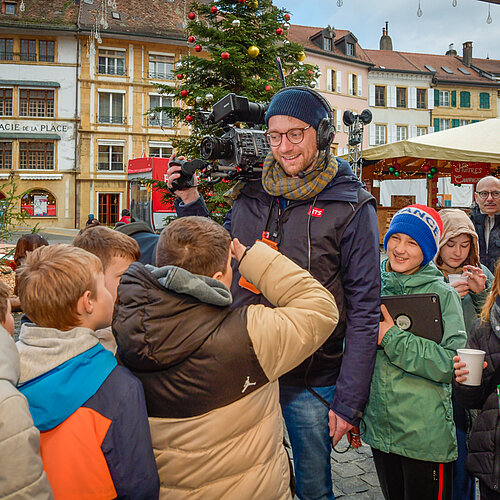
315 212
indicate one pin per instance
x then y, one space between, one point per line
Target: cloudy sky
439 25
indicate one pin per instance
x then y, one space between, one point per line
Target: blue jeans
306 420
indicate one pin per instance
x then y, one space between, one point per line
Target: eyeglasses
294 135
484 194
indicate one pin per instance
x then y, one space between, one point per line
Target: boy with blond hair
90 412
210 372
21 473
116 251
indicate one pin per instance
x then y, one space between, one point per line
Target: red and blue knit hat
421 223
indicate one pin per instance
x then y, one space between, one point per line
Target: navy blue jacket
348 255
490 256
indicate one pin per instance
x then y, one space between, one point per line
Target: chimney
385 40
467 54
451 50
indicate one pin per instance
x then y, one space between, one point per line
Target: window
331 78
161 151
36 103
401 133
444 124
39 203
110 158
464 71
36 155
464 122
400 97
161 67
484 100
109 207
421 131
353 84
380 134
444 98
380 95
110 108
160 118
5 102
465 99
28 50
447 70
430 68
349 49
327 44
111 62
10 8
421 98
46 51
6 49
5 154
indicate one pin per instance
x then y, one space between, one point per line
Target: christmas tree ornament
286 42
254 4
397 166
392 170
433 170
300 56
199 100
241 1
178 65
425 167
184 93
269 88
311 72
225 55
198 48
192 16
287 17
458 185
189 118
312 84
397 174
236 23
213 9
191 39
286 26
430 176
279 31
253 51
209 97
179 76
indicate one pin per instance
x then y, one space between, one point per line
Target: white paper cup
473 359
459 278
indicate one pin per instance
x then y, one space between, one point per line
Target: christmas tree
238 42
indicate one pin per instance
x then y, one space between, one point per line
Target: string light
419 10
489 20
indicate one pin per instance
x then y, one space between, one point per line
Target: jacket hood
344 186
396 284
164 314
134 227
456 222
9 358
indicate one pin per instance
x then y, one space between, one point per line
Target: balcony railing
159 75
113 166
111 119
15 56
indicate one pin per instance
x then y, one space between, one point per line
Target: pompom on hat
421 223
299 103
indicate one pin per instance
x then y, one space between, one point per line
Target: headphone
326 127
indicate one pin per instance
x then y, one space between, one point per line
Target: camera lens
214 148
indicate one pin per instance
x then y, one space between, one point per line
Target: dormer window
9 7
327 44
349 49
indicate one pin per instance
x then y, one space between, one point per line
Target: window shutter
430 100
436 124
412 102
455 123
371 132
329 75
339 81
350 81
392 97
371 98
339 120
454 98
360 86
436 97
391 134
431 130
412 131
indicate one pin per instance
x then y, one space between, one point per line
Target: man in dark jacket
145 237
486 219
312 206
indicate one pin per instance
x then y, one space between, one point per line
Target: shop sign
468 172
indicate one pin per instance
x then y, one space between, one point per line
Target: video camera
238 153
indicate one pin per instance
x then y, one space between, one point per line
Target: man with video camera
315 210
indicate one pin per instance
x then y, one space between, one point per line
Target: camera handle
188 169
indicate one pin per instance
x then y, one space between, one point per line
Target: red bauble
269 88
279 31
425 167
241 1
189 118
397 166
191 39
198 48
192 16
179 76
287 17
213 9
311 72
225 55
184 93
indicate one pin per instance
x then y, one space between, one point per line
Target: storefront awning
25 135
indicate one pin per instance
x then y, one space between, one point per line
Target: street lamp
356 124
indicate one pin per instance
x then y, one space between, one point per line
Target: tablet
419 313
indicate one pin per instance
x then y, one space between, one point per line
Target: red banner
468 172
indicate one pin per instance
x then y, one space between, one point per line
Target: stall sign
468 172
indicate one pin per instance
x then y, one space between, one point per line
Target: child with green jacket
409 416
